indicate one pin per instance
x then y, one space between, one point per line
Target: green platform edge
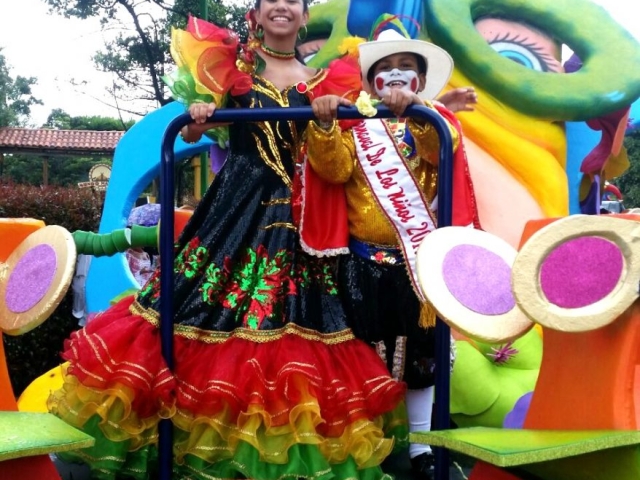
514 447
25 434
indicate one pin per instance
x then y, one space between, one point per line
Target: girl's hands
199 112
459 99
325 108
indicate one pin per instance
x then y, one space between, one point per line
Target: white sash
395 189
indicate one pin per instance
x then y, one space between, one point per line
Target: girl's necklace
277 54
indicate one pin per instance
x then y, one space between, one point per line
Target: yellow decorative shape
34 397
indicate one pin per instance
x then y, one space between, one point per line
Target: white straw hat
439 62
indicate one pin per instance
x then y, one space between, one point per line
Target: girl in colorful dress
269 383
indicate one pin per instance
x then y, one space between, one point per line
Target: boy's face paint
384 82
397 71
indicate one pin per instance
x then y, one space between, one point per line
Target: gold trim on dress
257 336
276 201
288 225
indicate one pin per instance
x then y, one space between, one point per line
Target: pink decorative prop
31 278
581 272
479 279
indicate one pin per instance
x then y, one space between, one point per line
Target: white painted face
385 81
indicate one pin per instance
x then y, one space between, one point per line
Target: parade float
543 140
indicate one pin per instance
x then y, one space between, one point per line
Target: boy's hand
459 99
325 108
398 100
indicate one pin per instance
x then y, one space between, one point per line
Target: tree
139 56
61 120
629 181
15 96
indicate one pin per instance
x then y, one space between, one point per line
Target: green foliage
629 182
61 120
63 170
15 96
38 351
71 208
32 354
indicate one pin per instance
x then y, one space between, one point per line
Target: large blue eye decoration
526 52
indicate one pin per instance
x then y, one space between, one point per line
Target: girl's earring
259 32
303 37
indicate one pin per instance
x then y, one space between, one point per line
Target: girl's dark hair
305 4
422 66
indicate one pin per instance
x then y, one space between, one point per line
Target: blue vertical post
167 186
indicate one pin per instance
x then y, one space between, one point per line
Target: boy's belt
377 253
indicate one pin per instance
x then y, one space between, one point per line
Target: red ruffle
219 58
119 348
347 378
343 79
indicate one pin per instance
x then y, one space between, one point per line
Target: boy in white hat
389 172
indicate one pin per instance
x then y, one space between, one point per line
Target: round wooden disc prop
35 278
466 275
579 273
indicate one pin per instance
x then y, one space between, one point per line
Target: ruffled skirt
261 404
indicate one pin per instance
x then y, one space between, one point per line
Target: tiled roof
58 142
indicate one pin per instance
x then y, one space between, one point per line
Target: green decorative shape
484 392
328 20
509 448
607 81
144 236
28 434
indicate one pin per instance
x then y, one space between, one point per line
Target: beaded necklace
276 53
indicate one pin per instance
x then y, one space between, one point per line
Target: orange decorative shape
181 217
588 380
13 231
7 399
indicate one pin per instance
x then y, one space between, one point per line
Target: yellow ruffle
217 437
186 50
76 404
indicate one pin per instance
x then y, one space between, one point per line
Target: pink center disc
581 272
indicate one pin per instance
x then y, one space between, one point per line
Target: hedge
34 353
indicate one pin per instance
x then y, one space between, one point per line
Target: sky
58 51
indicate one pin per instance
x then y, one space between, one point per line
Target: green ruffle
306 462
106 458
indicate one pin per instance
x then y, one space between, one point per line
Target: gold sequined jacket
332 154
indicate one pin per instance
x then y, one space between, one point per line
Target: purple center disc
479 279
31 278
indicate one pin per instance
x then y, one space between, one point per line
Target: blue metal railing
167 187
